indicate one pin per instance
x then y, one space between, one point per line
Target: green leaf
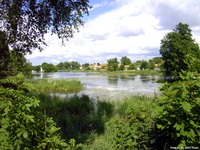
198 100
25 135
186 106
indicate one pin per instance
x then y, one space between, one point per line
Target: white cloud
131 28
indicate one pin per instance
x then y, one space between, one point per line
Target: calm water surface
109 86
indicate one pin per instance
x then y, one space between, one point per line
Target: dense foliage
177 123
125 60
113 64
25 22
76 116
48 67
132 128
21 127
179 51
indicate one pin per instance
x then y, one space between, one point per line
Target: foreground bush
131 130
178 120
129 127
21 127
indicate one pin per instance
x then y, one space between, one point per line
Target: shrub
177 123
21 127
134 122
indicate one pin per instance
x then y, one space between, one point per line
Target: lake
107 86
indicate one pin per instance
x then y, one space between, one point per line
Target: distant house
157 66
126 67
97 67
81 67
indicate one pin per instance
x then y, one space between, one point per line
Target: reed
56 86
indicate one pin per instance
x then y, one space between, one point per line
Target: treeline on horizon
112 65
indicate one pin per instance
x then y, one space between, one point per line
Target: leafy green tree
121 67
67 65
125 60
157 60
74 65
11 62
18 63
143 65
175 49
60 66
36 68
177 121
25 22
49 67
151 64
5 55
112 64
132 67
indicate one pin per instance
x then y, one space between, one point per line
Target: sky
117 28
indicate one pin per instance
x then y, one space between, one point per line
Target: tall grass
107 125
56 85
129 127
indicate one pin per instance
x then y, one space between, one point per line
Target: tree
74 65
144 64
151 64
125 60
112 64
132 67
157 60
48 67
11 62
36 68
177 49
122 67
25 22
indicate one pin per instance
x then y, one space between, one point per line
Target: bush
132 125
21 127
177 123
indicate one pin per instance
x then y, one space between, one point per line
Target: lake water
109 86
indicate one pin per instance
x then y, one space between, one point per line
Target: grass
133 112
145 72
56 86
99 128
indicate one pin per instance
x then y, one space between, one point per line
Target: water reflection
126 78
145 79
113 80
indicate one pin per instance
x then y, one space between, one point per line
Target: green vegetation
136 72
179 51
26 22
21 127
125 60
56 85
124 124
30 119
23 26
11 61
113 64
177 121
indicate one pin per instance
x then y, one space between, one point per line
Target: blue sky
116 28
